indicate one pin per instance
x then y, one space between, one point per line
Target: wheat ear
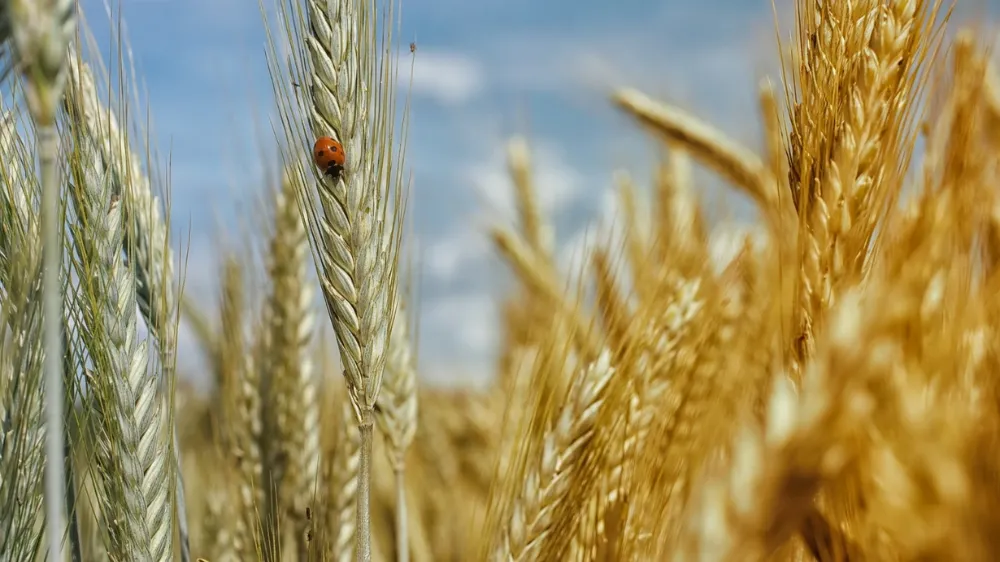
21 423
40 32
731 160
397 417
22 432
354 218
147 246
127 397
239 392
292 381
546 483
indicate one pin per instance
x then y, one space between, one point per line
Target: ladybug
329 155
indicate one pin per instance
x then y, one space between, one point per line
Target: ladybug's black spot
321 153
333 149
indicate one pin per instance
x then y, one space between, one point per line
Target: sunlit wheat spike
22 432
240 396
397 416
293 382
733 161
545 484
353 220
126 393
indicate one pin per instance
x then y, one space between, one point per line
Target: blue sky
485 69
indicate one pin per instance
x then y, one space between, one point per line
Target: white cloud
446 77
465 374
463 333
444 259
557 183
471 319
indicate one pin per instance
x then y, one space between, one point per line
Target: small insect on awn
329 156
413 46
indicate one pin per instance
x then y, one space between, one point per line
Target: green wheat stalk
35 35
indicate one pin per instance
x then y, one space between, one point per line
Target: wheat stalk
397 417
39 33
147 246
355 219
545 483
292 381
126 393
239 389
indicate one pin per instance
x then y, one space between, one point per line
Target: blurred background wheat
815 387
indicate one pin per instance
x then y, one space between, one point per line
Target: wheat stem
402 531
364 540
41 32
55 480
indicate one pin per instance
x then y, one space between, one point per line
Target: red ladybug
329 156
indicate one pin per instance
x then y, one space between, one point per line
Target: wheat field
822 392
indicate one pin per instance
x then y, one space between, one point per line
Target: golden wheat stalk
546 481
293 388
239 393
397 417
